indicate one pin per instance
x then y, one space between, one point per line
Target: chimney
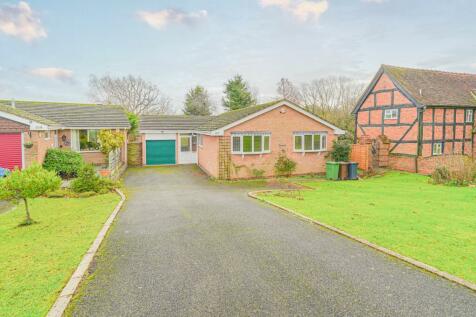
12 103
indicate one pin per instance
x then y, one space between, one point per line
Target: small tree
284 166
29 183
197 102
237 94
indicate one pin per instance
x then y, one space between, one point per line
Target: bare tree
133 93
287 90
333 98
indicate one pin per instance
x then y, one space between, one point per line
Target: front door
188 149
160 152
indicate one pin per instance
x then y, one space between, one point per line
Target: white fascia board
167 131
222 130
33 125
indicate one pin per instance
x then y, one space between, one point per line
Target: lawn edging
421 265
64 298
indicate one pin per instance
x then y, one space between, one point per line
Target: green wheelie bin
332 170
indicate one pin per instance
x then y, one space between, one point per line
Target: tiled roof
226 118
25 115
74 115
171 122
435 88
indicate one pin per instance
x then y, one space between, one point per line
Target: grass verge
399 211
36 261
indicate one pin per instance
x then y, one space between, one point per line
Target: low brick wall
426 165
402 163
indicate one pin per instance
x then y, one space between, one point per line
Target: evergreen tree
197 102
237 94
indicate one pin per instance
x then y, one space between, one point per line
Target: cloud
21 21
160 19
302 10
61 74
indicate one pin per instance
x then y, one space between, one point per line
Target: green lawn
400 211
36 261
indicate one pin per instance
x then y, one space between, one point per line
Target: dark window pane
308 142
266 143
317 142
324 142
194 143
298 142
257 143
247 144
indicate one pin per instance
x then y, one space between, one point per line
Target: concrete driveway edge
64 298
421 265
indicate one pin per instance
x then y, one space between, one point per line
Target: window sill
316 151
242 154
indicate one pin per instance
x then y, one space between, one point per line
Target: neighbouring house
415 119
240 143
28 129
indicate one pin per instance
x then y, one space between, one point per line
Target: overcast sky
48 49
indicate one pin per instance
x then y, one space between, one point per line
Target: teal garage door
160 152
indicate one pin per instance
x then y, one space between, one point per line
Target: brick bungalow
28 129
422 117
240 143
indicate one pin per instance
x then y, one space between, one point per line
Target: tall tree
237 94
135 94
333 98
197 102
287 90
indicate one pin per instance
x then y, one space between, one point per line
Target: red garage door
10 150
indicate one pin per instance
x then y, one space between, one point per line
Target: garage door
10 150
160 152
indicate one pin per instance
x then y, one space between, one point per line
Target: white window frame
390 114
437 148
314 134
88 138
253 152
468 115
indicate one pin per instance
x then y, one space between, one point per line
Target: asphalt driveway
184 246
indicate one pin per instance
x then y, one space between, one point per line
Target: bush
341 148
65 163
89 181
86 194
284 166
458 170
441 175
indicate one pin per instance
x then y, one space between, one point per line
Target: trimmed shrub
65 163
86 194
89 181
61 193
341 148
284 166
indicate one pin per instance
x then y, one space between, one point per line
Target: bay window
310 141
250 143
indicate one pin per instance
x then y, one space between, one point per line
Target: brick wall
281 122
361 154
9 126
402 163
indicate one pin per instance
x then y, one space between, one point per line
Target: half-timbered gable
421 114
